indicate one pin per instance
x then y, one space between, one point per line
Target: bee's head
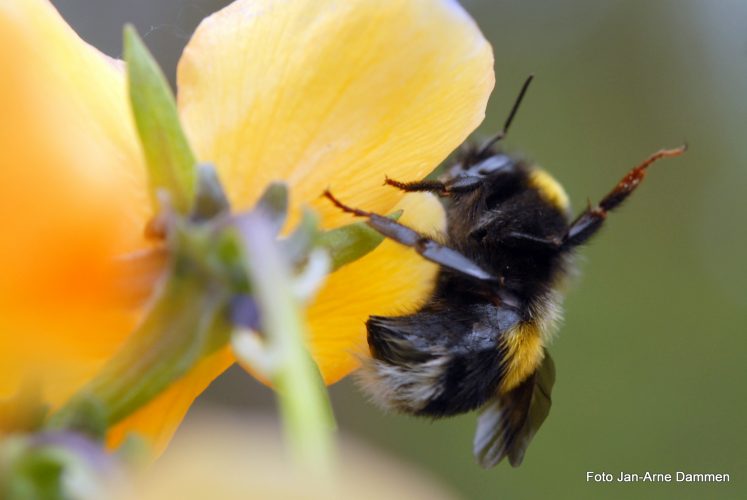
513 223
516 204
473 165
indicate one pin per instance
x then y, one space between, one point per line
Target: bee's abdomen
437 363
469 380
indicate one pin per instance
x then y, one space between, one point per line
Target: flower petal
332 93
390 281
72 195
158 420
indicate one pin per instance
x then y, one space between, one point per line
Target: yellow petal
157 421
332 93
72 195
390 281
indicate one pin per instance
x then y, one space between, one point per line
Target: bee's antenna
500 135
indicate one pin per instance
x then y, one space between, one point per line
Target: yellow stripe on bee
550 189
523 354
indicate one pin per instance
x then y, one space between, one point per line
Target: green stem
304 405
186 322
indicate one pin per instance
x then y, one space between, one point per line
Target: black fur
507 245
465 318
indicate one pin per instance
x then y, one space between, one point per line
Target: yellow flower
314 92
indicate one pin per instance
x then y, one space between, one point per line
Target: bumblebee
479 341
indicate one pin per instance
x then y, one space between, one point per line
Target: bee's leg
530 239
435 187
590 220
462 184
427 247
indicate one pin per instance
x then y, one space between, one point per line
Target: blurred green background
651 357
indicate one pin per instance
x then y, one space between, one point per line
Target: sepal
170 161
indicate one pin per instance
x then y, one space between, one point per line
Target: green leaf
349 243
170 161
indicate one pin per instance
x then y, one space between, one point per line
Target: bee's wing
507 423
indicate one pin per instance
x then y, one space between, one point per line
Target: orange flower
314 92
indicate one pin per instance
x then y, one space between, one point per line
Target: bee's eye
489 165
